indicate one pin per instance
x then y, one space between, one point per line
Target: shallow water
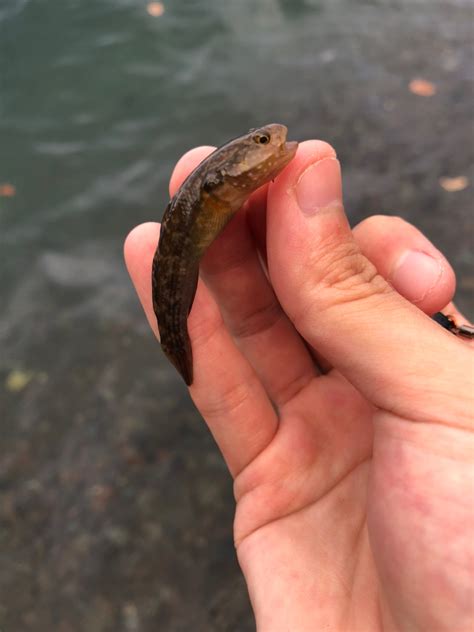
115 508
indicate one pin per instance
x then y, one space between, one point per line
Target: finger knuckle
229 402
342 275
382 223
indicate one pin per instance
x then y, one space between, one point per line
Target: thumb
389 349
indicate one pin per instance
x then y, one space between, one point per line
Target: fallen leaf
7 190
156 9
454 184
422 87
17 380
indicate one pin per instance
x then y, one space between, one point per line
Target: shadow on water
115 507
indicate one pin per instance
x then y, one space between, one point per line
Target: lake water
115 507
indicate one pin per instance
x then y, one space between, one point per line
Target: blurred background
115 506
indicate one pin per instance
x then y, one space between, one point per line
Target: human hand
351 454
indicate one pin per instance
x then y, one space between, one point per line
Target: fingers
254 318
408 260
385 346
226 390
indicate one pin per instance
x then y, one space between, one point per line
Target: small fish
195 216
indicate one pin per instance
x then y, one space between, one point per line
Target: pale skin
352 454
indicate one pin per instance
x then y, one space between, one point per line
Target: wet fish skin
194 217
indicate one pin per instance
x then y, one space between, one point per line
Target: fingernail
416 274
319 186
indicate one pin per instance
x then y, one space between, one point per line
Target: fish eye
262 138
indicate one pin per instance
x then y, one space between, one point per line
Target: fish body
194 217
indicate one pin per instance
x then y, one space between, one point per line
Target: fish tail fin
180 355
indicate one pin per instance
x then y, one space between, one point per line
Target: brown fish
195 216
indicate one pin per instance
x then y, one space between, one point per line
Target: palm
303 505
309 488
313 454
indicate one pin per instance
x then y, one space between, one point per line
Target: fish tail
179 353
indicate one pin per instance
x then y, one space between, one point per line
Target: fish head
263 152
248 162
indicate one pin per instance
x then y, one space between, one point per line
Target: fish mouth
286 153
